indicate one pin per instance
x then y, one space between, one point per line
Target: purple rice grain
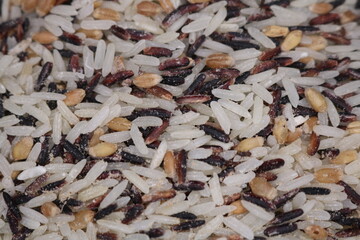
223 73
337 3
269 54
4 46
95 203
156 132
162 195
22 198
263 66
241 79
120 32
94 81
74 64
105 211
305 29
111 174
226 172
219 37
66 53
14 223
228 199
347 117
83 142
259 238
106 236
173 81
181 166
118 77
185 215
27 120
349 232
338 101
176 72
313 145
154 112
214 160
259 201
44 74
208 86
270 165
287 216
269 176
132 213
357 5
315 190
239 45
281 229
280 201
181 11
73 150
309 72
216 133
351 193
43 158
336 38
329 153
215 149
134 159
190 186
283 61
342 213
298 65
232 12
53 186
189 99
174 63
138 35
73 202
195 46
260 16
324 19
304 111
159 92
275 108
353 73
195 84
155 232
188 225
9 25
282 3
35 186
236 3
23 234
70 38
12 208
326 65
345 220
157 52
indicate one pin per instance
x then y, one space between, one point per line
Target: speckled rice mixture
175 119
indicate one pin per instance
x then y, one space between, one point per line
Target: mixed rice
179 119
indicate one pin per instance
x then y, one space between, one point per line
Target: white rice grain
221 116
216 21
159 155
261 37
238 227
257 211
136 180
138 139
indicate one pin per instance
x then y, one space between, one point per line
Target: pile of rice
179 119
